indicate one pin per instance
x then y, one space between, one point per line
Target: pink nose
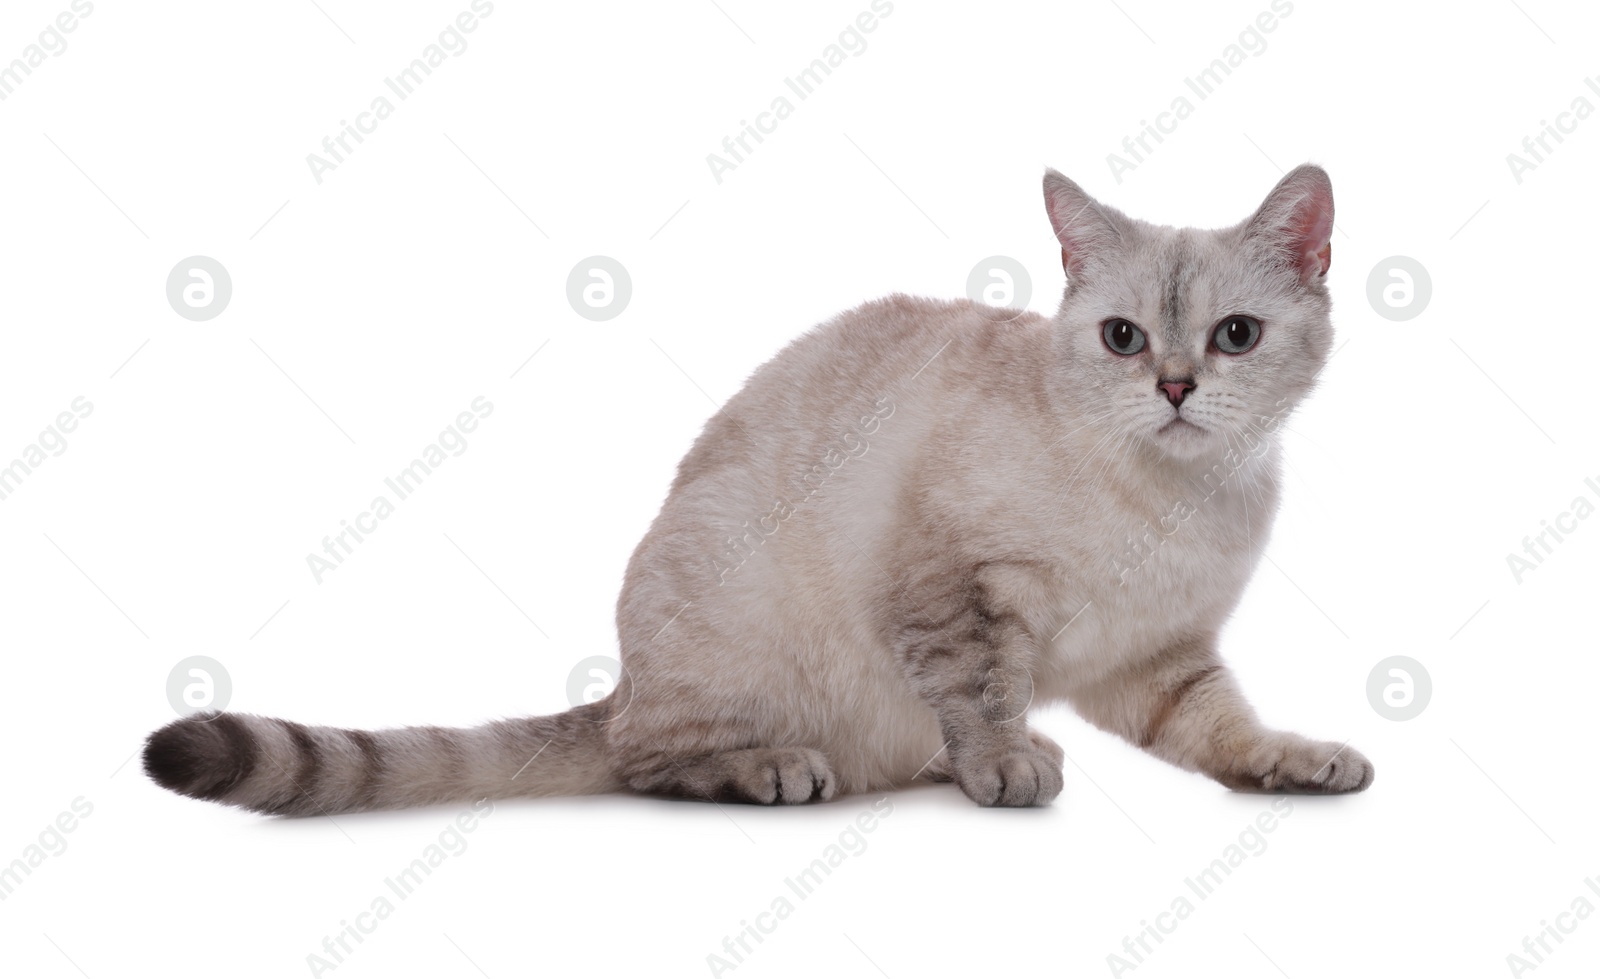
1175 390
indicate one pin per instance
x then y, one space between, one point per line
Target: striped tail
283 768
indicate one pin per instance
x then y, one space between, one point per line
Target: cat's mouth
1180 424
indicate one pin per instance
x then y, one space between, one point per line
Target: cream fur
924 495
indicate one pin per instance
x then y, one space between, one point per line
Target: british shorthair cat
912 524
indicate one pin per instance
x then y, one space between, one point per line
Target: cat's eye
1236 334
1123 337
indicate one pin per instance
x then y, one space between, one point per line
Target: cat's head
1188 338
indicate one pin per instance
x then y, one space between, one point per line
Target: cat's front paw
1026 775
1289 763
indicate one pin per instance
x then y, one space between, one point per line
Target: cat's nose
1175 391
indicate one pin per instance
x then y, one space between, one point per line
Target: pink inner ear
1064 211
1076 223
1311 229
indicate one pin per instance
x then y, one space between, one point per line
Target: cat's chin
1184 439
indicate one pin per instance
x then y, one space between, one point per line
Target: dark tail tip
203 756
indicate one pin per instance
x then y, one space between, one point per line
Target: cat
911 525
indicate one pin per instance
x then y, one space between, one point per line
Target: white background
425 270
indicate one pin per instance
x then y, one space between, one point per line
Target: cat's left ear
1297 218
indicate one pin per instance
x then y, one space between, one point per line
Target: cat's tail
290 769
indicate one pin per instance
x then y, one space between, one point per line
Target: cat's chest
1166 571
1200 544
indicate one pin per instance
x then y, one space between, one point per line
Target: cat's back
894 355
889 342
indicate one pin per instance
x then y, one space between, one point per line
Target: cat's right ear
1081 224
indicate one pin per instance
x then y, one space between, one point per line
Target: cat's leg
969 656
765 776
1183 706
